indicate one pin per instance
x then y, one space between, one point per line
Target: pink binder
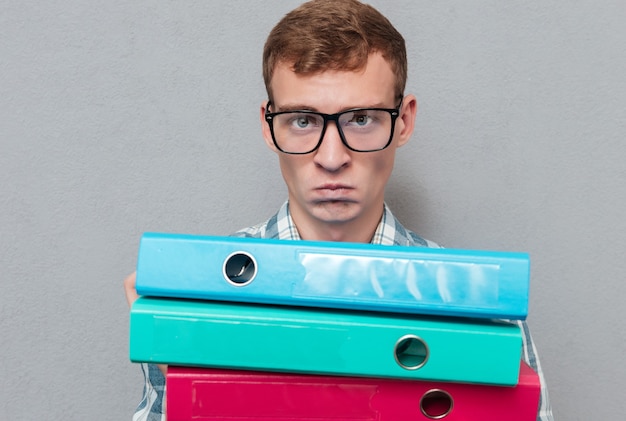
214 394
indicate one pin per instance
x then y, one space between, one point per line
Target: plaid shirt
280 226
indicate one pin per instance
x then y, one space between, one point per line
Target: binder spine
334 342
217 394
418 280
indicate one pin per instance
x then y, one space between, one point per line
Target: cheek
379 167
292 168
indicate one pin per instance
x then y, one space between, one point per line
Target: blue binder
418 280
484 284
320 341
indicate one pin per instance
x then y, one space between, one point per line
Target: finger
129 288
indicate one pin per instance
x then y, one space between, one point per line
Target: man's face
333 187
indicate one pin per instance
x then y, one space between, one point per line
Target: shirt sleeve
152 405
529 355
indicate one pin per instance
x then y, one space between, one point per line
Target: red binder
203 394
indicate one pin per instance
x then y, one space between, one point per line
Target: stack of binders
258 329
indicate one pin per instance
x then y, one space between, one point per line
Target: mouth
334 187
333 192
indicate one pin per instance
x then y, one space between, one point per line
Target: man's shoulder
408 238
279 226
270 228
255 231
415 240
391 231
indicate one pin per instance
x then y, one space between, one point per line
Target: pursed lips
334 191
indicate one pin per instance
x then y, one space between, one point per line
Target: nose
332 155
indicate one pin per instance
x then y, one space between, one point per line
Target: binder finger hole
411 352
240 268
436 404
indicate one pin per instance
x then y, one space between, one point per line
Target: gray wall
122 117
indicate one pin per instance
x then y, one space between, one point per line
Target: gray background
123 117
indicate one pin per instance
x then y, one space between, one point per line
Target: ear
406 120
265 128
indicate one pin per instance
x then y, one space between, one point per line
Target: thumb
129 288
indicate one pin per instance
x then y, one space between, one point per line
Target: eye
361 119
304 121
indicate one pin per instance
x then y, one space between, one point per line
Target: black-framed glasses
360 129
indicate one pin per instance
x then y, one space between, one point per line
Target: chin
336 211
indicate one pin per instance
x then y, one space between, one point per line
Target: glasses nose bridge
334 118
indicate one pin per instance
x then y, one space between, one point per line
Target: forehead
333 90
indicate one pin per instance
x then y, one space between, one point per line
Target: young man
335 73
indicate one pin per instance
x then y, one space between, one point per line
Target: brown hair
325 35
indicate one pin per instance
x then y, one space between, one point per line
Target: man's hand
129 288
131 296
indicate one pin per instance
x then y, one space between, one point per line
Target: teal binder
316 341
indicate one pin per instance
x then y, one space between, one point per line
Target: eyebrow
303 107
294 107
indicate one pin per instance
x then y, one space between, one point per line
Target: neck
358 230
339 233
